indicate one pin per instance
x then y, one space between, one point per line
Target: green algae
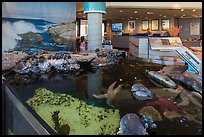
82 118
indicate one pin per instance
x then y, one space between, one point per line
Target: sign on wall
131 25
195 28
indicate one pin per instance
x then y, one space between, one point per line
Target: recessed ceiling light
136 18
164 16
182 9
184 14
146 17
135 11
181 16
131 17
150 12
160 15
194 10
121 11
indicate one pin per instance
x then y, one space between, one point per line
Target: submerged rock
192 80
140 92
148 122
150 111
162 78
190 97
130 124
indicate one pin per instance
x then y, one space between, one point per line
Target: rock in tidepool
140 92
130 124
107 57
10 59
82 118
162 78
151 111
192 80
84 57
148 122
174 71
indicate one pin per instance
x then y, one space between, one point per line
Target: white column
94 31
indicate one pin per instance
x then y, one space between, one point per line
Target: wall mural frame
155 24
163 24
131 25
145 25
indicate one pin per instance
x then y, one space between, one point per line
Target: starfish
110 95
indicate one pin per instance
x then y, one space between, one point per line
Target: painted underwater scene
79 103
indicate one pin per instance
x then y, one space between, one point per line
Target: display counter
195 43
154 47
120 41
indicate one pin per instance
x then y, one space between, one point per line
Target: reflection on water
96 81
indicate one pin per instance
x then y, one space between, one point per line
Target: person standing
82 44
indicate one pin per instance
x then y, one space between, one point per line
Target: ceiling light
121 11
150 12
160 15
194 10
146 17
136 18
135 11
164 16
182 9
181 16
184 14
131 17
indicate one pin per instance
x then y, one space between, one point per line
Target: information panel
165 43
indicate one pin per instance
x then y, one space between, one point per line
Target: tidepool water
82 85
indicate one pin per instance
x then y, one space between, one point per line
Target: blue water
41 26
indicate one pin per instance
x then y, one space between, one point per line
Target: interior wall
184 25
138 27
